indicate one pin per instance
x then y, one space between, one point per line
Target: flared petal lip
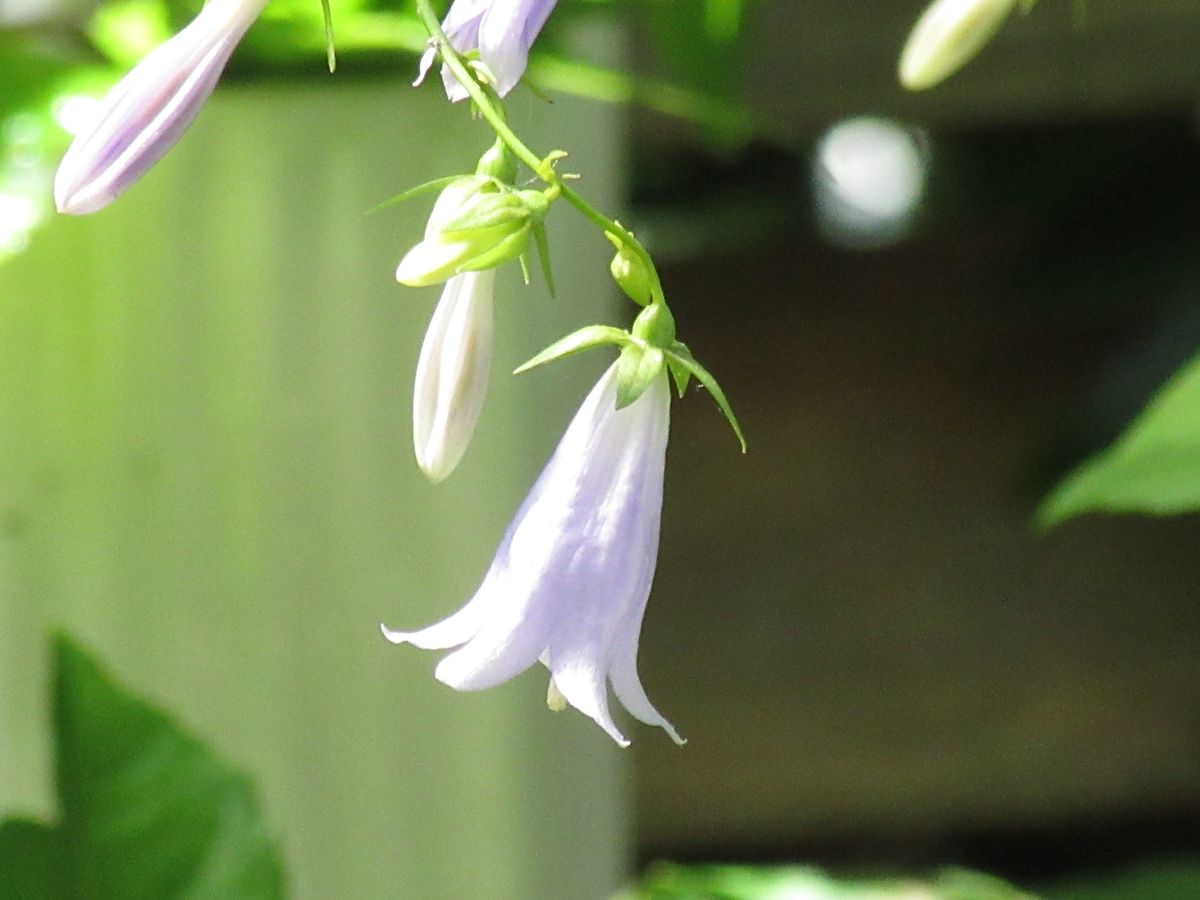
551 592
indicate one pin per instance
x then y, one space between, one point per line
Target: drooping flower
501 30
452 373
569 583
947 36
151 107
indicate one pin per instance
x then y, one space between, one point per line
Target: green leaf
29 858
637 368
1153 468
576 342
147 810
666 881
683 357
330 54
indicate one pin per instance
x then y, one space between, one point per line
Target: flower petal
586 689
628 688
508 30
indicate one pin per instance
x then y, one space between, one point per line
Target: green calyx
645 352
477 223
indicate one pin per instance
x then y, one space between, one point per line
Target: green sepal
542 241
680 354
330 54
486 211
679 372
523 259
428 187
576 342
637 368
504 250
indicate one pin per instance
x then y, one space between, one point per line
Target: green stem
493 114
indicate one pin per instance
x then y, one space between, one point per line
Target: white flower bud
452 373
947 36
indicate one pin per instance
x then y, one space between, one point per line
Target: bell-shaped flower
502 31
452 373
947 36
569 583
484 230
151 107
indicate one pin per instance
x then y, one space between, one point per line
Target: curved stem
493 114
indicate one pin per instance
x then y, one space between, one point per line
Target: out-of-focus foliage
1162 881
146 810
671 882
1154 467
42 70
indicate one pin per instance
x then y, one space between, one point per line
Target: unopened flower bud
947 36
655 325
150 109
498 163
488 229
633 275
452 373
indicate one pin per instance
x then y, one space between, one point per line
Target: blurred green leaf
1153 468
147 810
671 882
29 855
1161 881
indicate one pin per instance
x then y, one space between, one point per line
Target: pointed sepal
637 368
427 188
683 357
680 373
576 342
542 242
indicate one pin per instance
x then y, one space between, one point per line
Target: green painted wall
206 475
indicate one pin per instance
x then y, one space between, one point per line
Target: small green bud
632 274
947 36
655 325
498 163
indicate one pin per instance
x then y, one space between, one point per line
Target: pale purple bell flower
150 108
569 583
452 372
501 30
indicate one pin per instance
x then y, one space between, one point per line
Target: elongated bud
631 273
151 107
488 230
947 36
452 373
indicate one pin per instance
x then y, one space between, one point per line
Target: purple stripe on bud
151 107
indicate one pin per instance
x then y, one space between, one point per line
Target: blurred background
928 310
